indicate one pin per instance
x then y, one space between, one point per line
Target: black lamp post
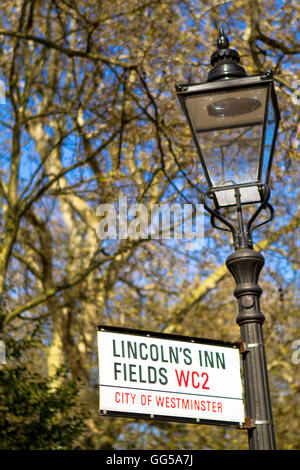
234 120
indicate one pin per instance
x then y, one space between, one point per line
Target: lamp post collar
225 61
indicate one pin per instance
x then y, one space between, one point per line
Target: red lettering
193 383
159 400
186 403
204 374
182 377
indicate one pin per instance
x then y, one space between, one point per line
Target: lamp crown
225 61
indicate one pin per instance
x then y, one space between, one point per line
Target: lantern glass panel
228 126
269 142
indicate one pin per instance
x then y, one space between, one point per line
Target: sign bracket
245 347
248 424
251 423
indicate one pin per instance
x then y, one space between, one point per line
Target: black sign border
174 337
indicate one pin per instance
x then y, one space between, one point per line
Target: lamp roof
225 61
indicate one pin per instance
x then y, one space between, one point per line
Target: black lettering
132 349
173 355
208 359
141 353
200 358
188 359
163 378
220 360
162 354
132 372
152 375
141 375
154 352
116 371
114 349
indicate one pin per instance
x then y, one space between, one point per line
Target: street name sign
145 374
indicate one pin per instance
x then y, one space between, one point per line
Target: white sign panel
146 374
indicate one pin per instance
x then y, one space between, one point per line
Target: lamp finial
222 41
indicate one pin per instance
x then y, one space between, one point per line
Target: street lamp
234 121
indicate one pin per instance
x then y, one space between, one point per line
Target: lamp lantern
233 119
